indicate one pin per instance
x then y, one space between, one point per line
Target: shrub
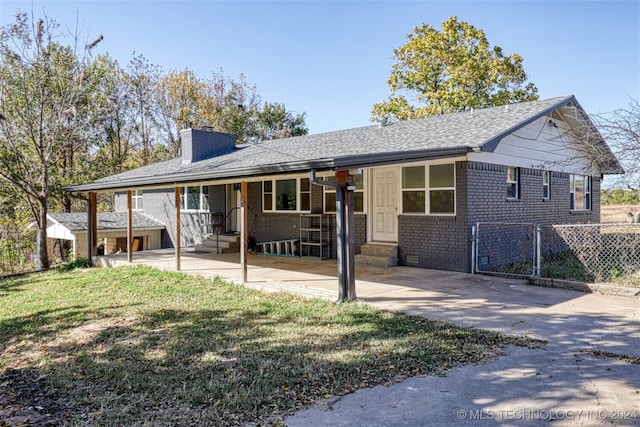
77 263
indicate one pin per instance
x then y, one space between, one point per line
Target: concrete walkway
565 383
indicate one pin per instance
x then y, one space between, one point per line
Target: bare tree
225 104
143 78
621 129
43 86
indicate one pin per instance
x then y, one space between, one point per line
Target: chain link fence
591 252
16 251
586 252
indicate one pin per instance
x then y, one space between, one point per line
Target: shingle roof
435 136
107 221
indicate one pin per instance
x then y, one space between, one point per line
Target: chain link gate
510 249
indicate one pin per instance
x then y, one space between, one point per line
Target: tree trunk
42 260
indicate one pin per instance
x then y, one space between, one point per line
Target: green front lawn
133 346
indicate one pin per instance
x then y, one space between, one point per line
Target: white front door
385 204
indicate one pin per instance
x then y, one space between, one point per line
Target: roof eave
137 229
383 159
615 170
346 162
182 179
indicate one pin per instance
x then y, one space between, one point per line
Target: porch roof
438 136
107 221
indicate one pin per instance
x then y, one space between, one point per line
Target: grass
137 346
614 261
565 265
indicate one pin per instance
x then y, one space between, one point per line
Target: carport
111 231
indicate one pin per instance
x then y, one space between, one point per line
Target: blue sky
331 59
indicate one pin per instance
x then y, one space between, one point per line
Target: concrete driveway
588 375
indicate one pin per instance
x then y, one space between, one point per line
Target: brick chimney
205 143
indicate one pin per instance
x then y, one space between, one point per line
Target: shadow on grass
49 323
226 367
40 323
187 352
11 284
231 366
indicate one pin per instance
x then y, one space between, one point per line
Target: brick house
420 185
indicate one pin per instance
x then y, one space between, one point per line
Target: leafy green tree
618 196
43 89
274 121
446 71
17 240
183 100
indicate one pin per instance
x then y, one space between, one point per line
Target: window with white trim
267 195
580 189
442 189
136 200
546 184
358 194
513 182
438 182
195 198
293 194
305 194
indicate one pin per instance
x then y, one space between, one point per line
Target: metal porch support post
178 236
348 225
129 227
538 268
340 250
351 244
473 249
340 232
244 229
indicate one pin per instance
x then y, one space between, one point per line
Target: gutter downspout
340 231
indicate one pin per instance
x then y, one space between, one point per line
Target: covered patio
308 277
510 306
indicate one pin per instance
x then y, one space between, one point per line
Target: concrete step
224 237
376 261
378 254
386 250
224 243
213 249
221 244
